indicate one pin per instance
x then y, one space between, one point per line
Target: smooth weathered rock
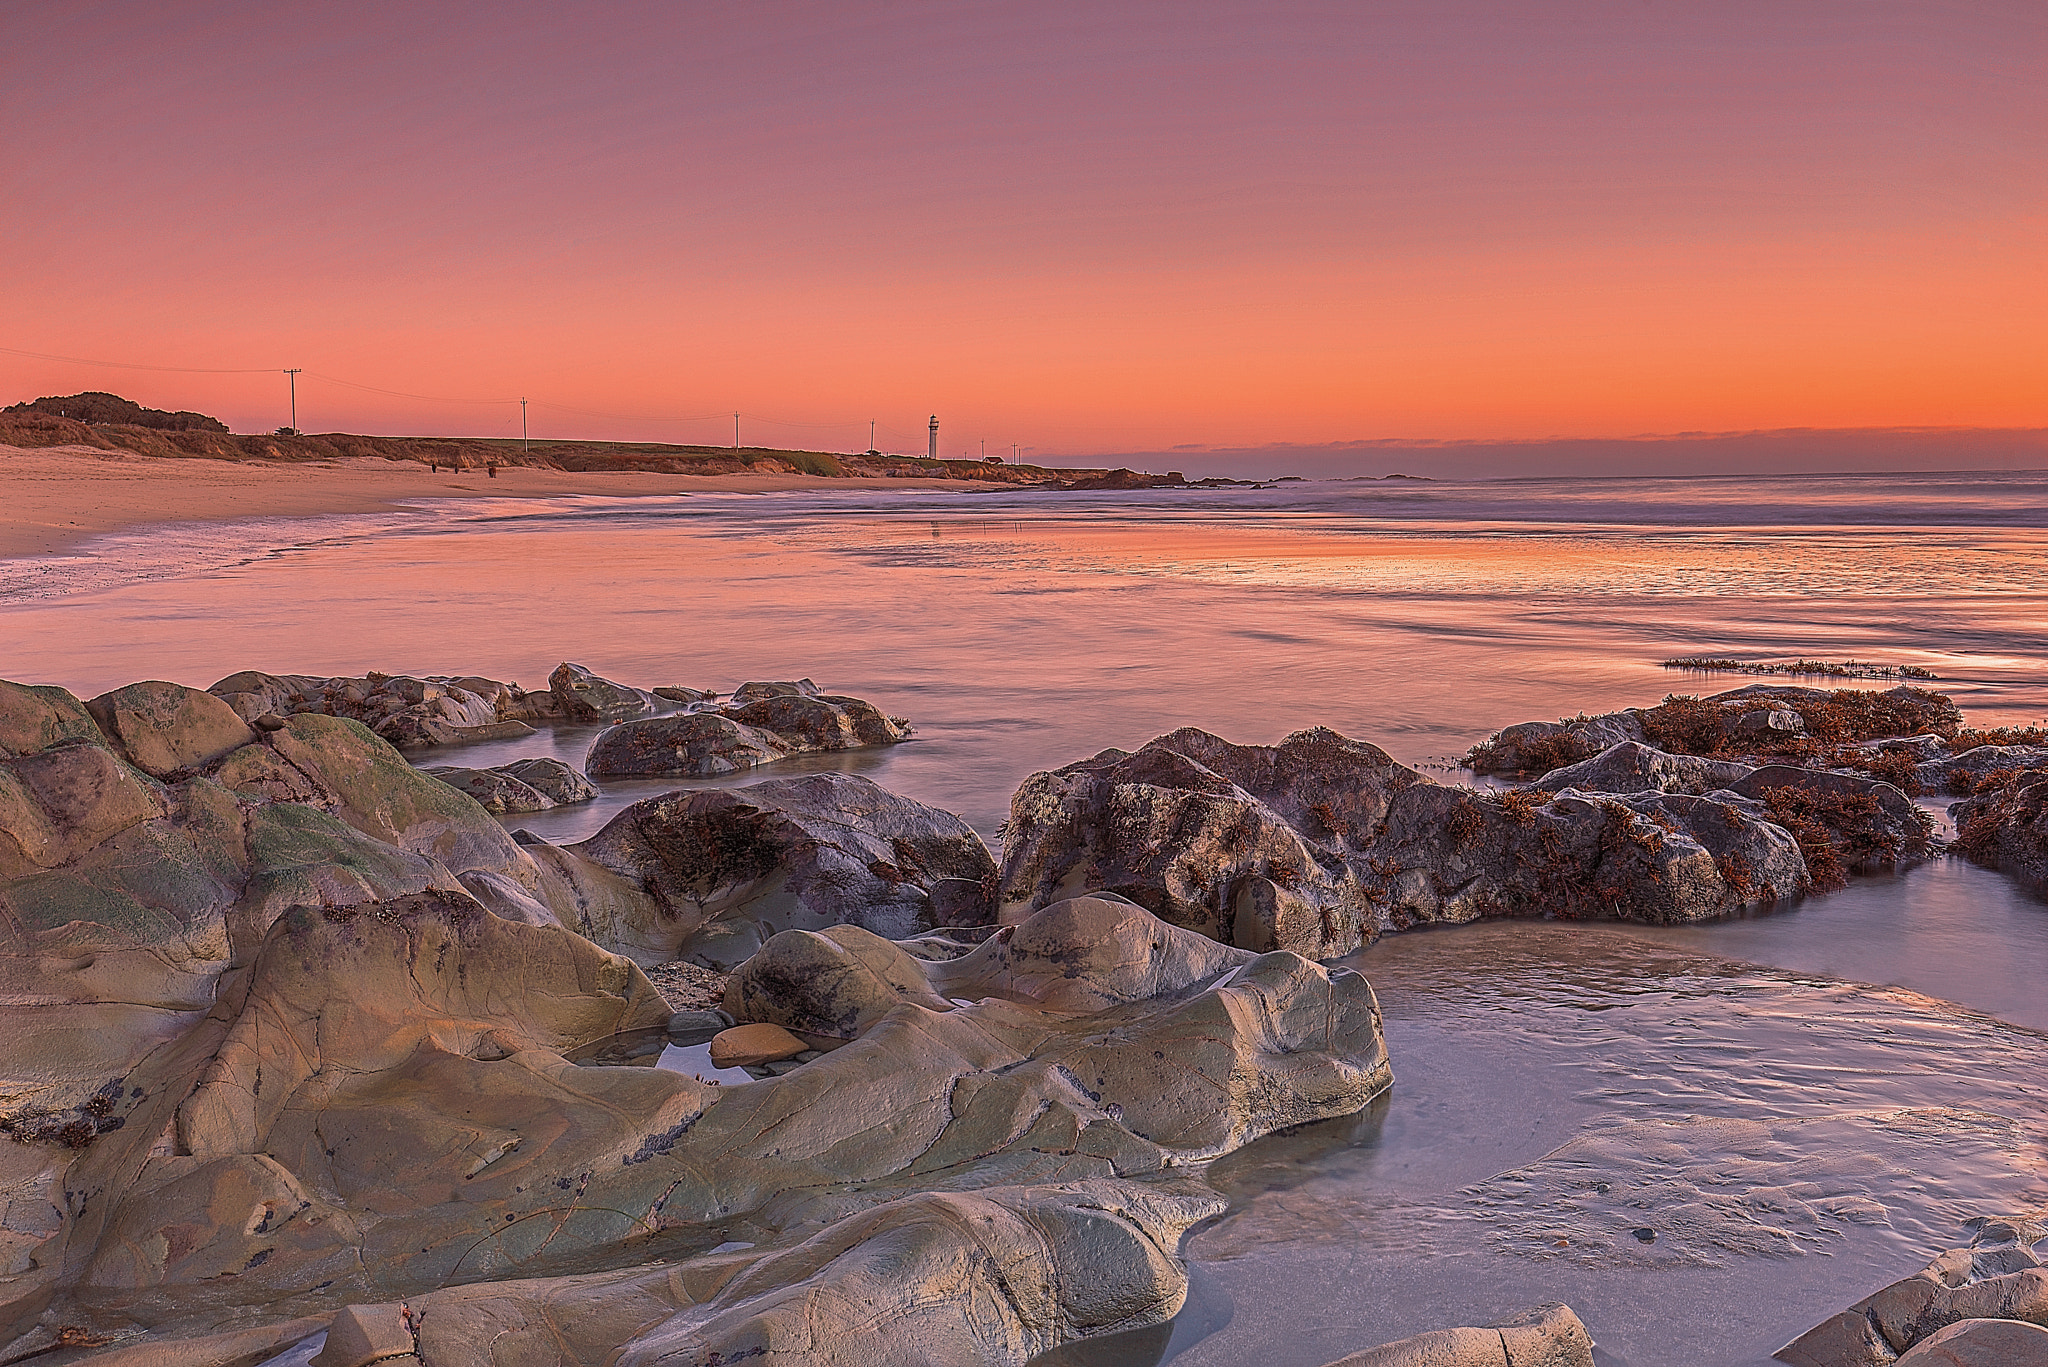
1632 767
584 697
1319 843
1998 1278
1548 1336
762 723
58 803
1981 1343
361 1334
722 870
408 712
1752 723
560 783
494 790
162 728
35 717
2005 827
833 983
759 1042
1087 954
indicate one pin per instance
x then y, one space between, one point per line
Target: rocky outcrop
1548 1336
1630 766
165 728
378 1110
1319 843
760 724
409 712
2005 827
1755 723
581 696
711 874
1970 1307
527 785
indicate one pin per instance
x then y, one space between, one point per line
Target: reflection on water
1705 1138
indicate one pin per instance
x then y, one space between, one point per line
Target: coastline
62 496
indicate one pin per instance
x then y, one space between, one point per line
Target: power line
126 365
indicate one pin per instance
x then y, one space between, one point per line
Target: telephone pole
735 431
292 377
522 428
871 434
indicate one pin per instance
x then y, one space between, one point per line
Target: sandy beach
60 496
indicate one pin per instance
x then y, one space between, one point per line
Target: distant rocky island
310 1052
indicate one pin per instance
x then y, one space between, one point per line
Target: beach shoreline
60 497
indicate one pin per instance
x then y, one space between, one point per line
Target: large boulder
582 696
728 868
1548 1336
2005 827
1630 766
1319 843
163 728
760 724
36 717
1845 823
493 789
407 711
559 783
832 983
1754 723
1997 1278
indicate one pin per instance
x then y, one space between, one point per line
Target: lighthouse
933 449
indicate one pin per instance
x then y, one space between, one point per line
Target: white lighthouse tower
933 449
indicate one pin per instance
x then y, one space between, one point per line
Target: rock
762 723
1963 774
408 712
494 790
1632 767
1319 843
378 793
725 869
58 803
756 1043
162 728
1844 822
685 696
2006 827
1548 1336
697 1027
1754 723
1087 954
832 983
556 781
35 718
362 1334
583 697
1981 1343
754 692
1996 1279
507 899
378 1111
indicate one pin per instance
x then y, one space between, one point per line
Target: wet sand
60 496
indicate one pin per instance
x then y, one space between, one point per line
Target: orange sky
1084 228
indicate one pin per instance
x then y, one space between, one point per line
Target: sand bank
58 496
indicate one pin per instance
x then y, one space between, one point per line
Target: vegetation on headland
1827 669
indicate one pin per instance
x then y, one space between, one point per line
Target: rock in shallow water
762 723
1317 844
710 874
1548 1336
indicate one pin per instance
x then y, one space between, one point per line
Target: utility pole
1013 453
984 450
871 434
292 376
735 431
522 428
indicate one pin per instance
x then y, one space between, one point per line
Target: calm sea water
1796 1107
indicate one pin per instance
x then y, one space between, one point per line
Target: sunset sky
1082 227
